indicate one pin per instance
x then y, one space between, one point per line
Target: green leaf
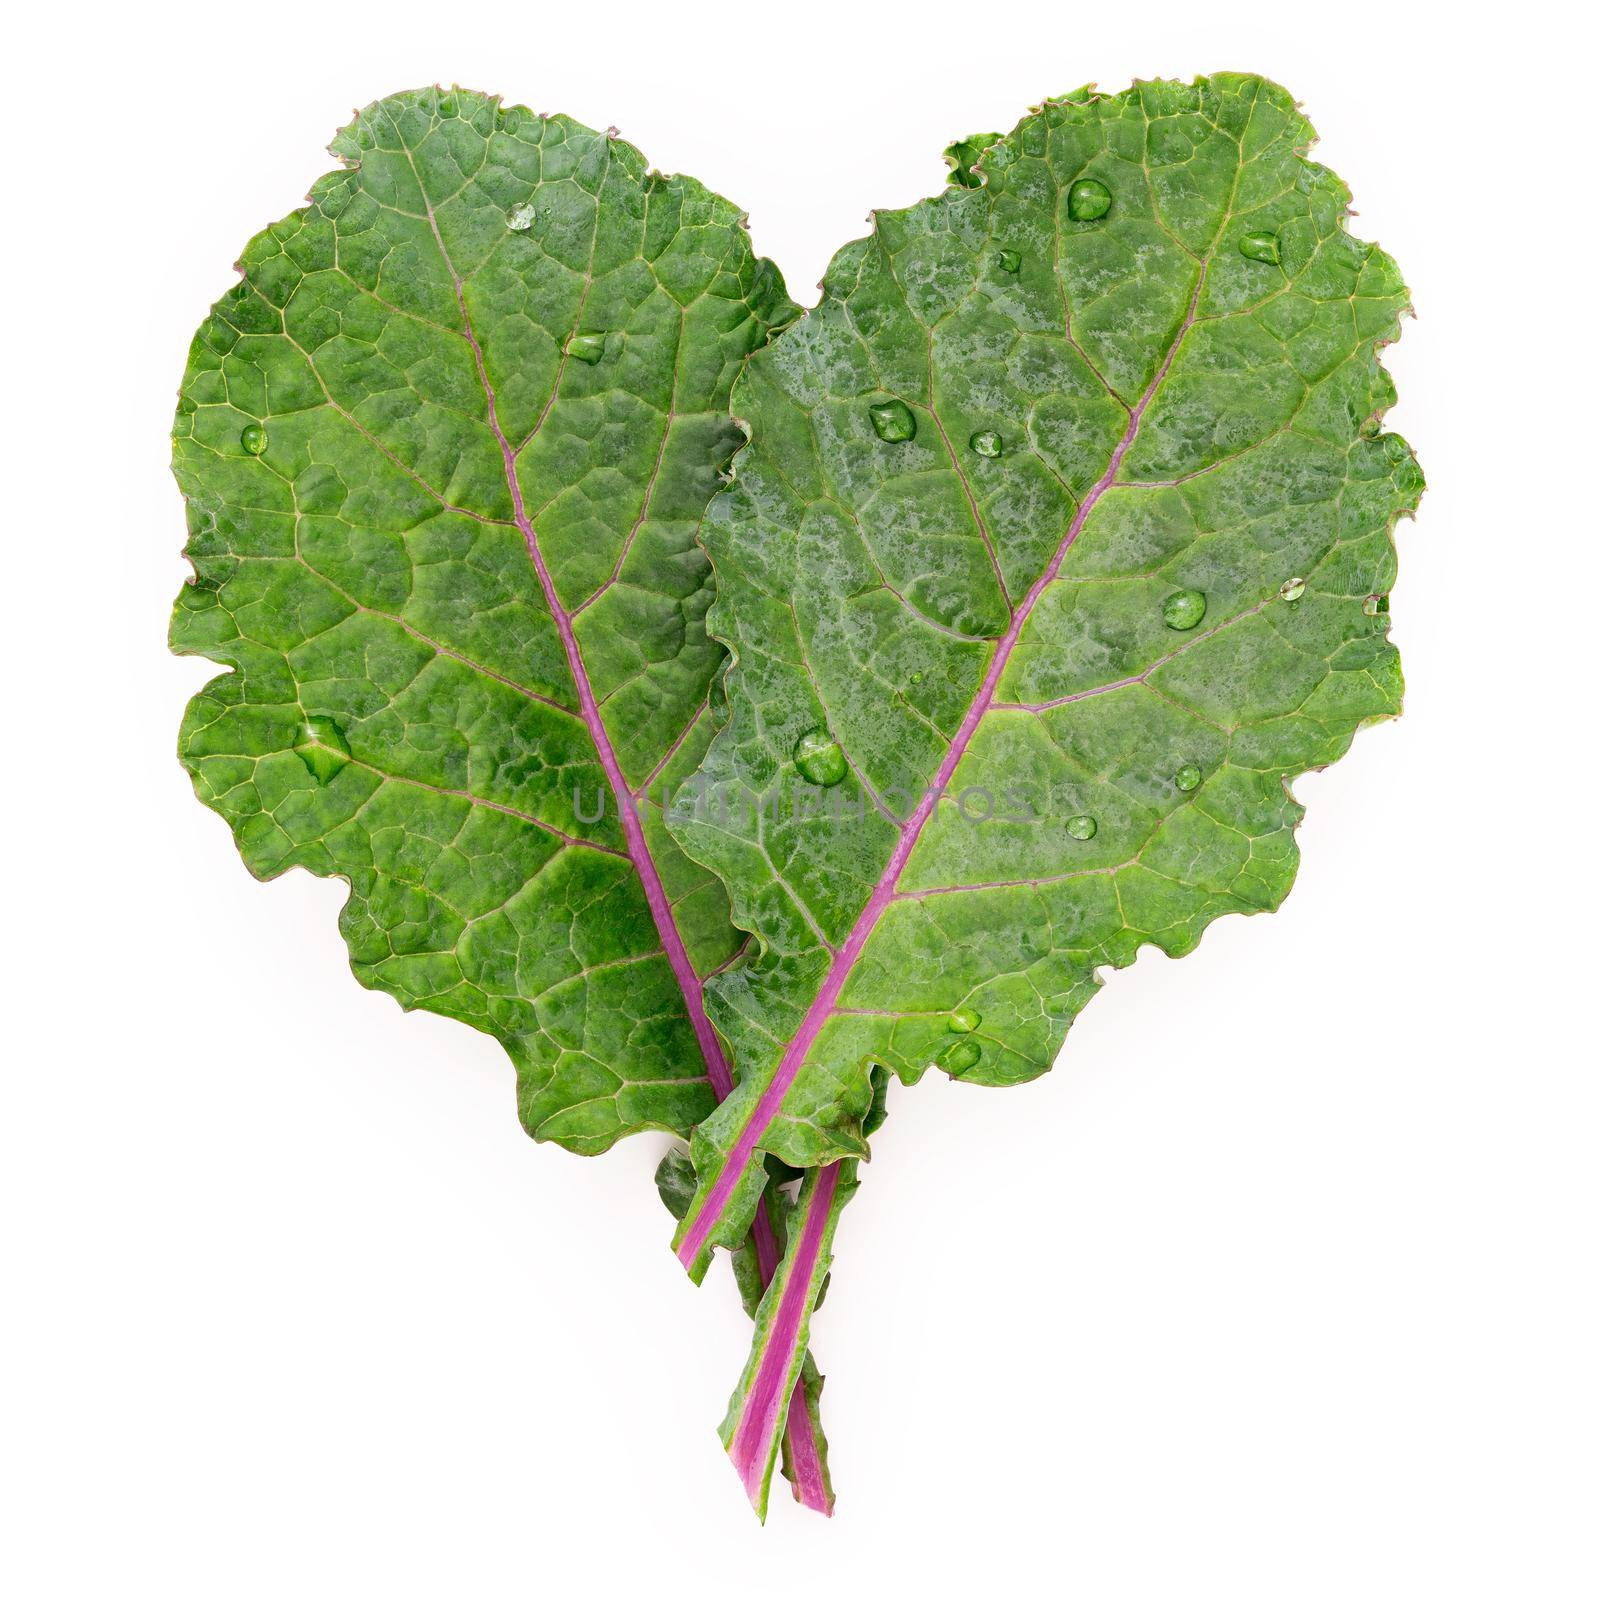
445 447
1109 591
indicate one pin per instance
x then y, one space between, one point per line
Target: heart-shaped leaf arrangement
1059 543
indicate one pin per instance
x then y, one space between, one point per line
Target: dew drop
916 677
1292 589
1183 609
1082 827
988 443
1087 200
1008 261
1375 605
892 421
959 1056
322 747
1187 777
819 758
964 1019
586 347
520 217
253 439
1260 247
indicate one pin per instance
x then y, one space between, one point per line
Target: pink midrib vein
766 1108
810 1482
757 1428
632 828
810 1485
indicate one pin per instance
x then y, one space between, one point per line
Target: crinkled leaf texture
1072 636
445 448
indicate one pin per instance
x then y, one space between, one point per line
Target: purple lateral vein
757 1430
883 894
1138 677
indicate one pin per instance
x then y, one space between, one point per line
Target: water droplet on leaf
1183 609
1260 247
959 1056
892 421
819 758
1008 261
1293 588
586 347
253 439
1187 777
1087 200
916 677
520 217
964 1019
988 443
322 747
1082 827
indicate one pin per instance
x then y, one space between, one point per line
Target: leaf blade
384 442
1238 468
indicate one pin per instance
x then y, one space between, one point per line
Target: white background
1281 1285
